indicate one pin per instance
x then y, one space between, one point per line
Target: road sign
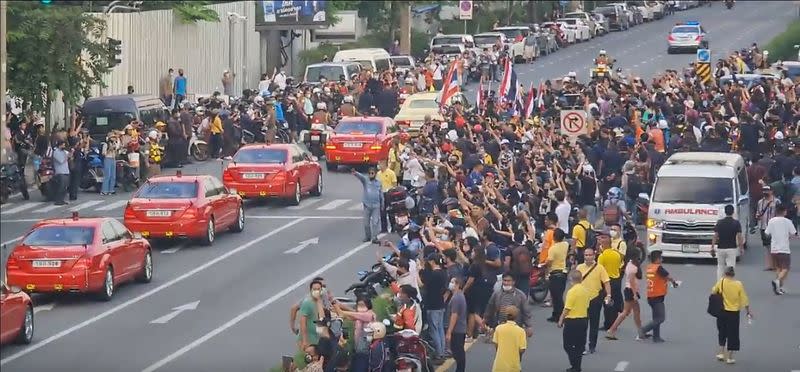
703 55
703 71
465 10
573 123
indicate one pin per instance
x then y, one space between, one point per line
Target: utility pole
405 27
3 78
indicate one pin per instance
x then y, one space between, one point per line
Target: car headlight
652 223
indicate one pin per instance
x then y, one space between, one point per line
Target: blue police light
692 23
46 2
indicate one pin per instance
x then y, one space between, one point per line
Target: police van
689 196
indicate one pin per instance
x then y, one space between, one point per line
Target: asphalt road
244 285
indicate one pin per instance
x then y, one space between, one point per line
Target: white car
628 13
489 39
657 7
569 34
647 12
515 40
587 19
582 31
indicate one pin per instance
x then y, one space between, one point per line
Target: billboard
289 14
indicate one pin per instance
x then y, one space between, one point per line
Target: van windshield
330 72
696 190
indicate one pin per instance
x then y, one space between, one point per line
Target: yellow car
417 106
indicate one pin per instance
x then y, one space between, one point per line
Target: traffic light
115 52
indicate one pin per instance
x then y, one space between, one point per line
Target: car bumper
684 45
260 190
168 229
680 244
74 281
357 157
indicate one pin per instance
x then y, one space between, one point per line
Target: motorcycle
93 170
198 148
539 285
128 167
45 173
601 70
410 352
12 179
370 283
399 204
315 138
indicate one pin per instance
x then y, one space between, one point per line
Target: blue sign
564 2
703 56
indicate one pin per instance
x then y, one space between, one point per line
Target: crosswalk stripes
6 206
333 204
305 203
85 205
22 207
356 207
48 208
113 205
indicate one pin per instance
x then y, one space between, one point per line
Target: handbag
715 301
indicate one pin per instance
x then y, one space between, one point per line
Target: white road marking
688 264
48 208
302 245
6 205
356 207
172 250
621 366
22 207
113 205
85 205
118 308
305 203
176 311
254 309
333 205
47 307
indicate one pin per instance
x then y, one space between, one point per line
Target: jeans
215 145
372 221
574 335
178 99
60 187
728 330
457 349
109 175
611 312
659 316
75 175
595 305
360 362
725 257
558 283
523 283
436 329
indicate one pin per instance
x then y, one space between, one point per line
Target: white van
689 196
331 71
376 59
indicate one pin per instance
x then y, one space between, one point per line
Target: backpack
591 236
521 260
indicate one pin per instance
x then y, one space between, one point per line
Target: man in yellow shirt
575 319
596 280
557 267
617 239
388 180
510 343
734 298
611 260
579 232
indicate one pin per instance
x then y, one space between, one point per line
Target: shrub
782 46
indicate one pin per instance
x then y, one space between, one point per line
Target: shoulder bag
715 301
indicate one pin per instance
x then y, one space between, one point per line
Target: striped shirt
765 211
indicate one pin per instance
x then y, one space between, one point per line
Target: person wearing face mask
612 261
362 317
372 201
409 312
379 354
314 360
457 323
597 282
509 295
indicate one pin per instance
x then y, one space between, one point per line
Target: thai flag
479 98
506 85
540 98
450 86
519 103
529 102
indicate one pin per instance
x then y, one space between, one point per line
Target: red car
359 141
16 316
195 207
284 171
79 255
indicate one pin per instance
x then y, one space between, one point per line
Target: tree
53 49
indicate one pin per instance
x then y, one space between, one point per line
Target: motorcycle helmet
348 99
377 329
322 106
614 193
602 52
153 135
477 128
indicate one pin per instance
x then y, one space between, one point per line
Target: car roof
365 118
181 178
512 28
274 146
343 63
489 34
718 158
81 221
423 95
696 171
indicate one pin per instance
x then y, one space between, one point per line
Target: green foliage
191 12
54 49
782 46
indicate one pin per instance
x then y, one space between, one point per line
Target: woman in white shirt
631 296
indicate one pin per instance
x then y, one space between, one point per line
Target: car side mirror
137 235
14 289
314 158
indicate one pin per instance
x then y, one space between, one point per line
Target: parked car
657 7
647 12
564 36
602 23
16 321
489 40
402 64
587 19
547 38
582 31
617 20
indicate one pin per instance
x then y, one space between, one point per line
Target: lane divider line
299 283
118 308
621 366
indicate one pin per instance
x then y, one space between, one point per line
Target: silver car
689 35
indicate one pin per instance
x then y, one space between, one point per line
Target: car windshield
168 190
423 104
401 61
359 127
685 30
60 236
511 34
485 40
605 10
695 190
260 156
447 50
448 40
570 21
574 15
329 72
748 80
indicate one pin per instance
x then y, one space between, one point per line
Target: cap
603 231
766 188
504 142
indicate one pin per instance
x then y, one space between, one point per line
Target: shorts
628 295
477 299
782 261
766 240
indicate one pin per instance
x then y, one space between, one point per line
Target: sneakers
776 287
730 361
721 357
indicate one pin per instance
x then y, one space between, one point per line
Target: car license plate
47 263
315 137
690 248
354 145
402 220
253 176
159 213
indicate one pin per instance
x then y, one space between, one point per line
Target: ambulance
689 196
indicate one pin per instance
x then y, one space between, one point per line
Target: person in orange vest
657 280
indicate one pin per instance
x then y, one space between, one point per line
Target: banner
291 13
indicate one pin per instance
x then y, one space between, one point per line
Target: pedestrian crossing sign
703 55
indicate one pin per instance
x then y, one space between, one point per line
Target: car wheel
107 292
331 167
670 51
211 232
146 275
317 191
239 225
25 335
295 198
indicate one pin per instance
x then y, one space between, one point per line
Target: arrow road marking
621 366
47 307
176 311
302 245
174 249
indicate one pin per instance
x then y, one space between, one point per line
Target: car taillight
698 37
376 147
226 176
280 177
129 212
83 263
190 212
12 263
330 146
670 38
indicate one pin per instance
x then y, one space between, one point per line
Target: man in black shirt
729 241
434 281
329 346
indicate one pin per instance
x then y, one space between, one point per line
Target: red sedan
79 255
284 171
16 316
360 141
195 207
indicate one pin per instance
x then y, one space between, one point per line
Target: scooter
370 283
128 167
11 180
93 170
315 138
198 149
539 285
410 352
45 173
399 204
